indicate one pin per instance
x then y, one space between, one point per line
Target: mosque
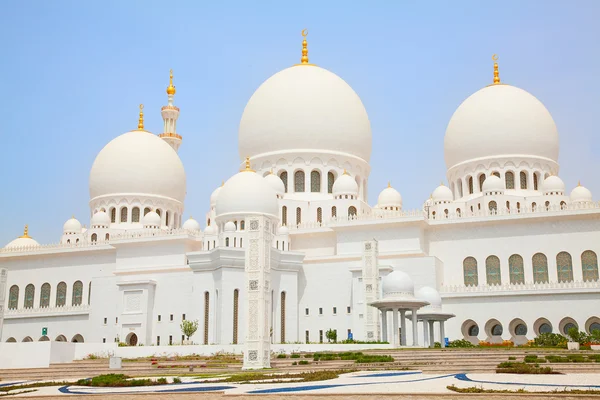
291 248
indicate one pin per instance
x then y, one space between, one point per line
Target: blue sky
73 73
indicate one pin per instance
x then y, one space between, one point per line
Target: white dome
498 121
191 225
247 193
283 230
305 108
345 184
138 162
276 183
442 193
100 219
214 196
429 295
209 230
493 184
581 195
553 184
398 284
72 226
389 197
22 242
151 220
229 227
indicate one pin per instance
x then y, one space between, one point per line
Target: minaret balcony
170 135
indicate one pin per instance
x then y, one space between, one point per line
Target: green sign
44 331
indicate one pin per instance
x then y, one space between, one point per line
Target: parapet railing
34 311
508 287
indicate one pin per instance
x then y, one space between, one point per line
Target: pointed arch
539 262
509 180
45 295
516 269
61 294
492 271
283 295
236 299
299 181
123 214
351 212
113 215
564 267
330 181
589 266
77 295
284 178
206 315
470 182
470 273
319 215
333 212
29 296
315 181
135 214
13 297
481 180
284 215
523 179
298 215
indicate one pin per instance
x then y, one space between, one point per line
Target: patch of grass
303 362
532 358
523 368
281 356
119 380
256 377
295 355
358 357
482 390
176 380
512 358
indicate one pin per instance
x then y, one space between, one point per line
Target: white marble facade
291 247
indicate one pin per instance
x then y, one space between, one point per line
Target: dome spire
496 72
141 120
304 58
171 88
170 113
26 232
247 166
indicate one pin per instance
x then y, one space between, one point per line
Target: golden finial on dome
496 73
578 183
141 120
304 58
247 168
345 172
171 88
222 183
26 232
389 184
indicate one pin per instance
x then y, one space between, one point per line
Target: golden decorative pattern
171 135
171 88
141 120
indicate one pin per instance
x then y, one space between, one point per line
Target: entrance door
133 340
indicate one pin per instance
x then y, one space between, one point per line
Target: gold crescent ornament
304 32
495 57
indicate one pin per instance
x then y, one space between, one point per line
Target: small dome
151 220
581 195
209 230
72 226
276 183
100 220
229 227
247 193
493 184
283 230
429 295
345 184
191 225
442 193
553 184
22 241
215 195
398 284
389 197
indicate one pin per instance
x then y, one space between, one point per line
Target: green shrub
303 362
295 355
437 345
294 363
460 343
514 358
281 356
119 380
176 380
550 340
577 336
522 368
530 358
162 381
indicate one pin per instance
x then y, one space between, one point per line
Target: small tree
188 328
331 334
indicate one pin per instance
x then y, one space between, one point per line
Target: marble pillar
402 328
415 327
395 326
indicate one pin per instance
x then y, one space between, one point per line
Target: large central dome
305 108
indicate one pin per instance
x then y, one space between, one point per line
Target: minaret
170 113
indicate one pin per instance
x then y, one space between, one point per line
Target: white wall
25 355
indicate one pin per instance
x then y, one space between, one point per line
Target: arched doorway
61 338
11 340
132 339
44 339
27 339
77 339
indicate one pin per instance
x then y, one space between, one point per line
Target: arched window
535 181
147 210
516 270
159 212
493 207
29 296
470 271
226 242
284 215
330 181
533 206
206 315
135 214
523 179
564 267
68 241
319 215
299 181
242 225
298 215
113 215
90 293
459 186
124 214
481 180
94 237
508 205
236 298
284 178
282 317
13 297
563 205
458 212
589 266
234 242
333 212
496 173
540 268
77 293
167 218
61 294
470 185
509 178
518 207
107 236
351 211
446 213
492 271
547 204
315 181
45 295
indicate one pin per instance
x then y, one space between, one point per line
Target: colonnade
400 341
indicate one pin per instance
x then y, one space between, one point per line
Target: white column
395 326
426 342
403 327
415 328
442 334
384 325
431 335
370 277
